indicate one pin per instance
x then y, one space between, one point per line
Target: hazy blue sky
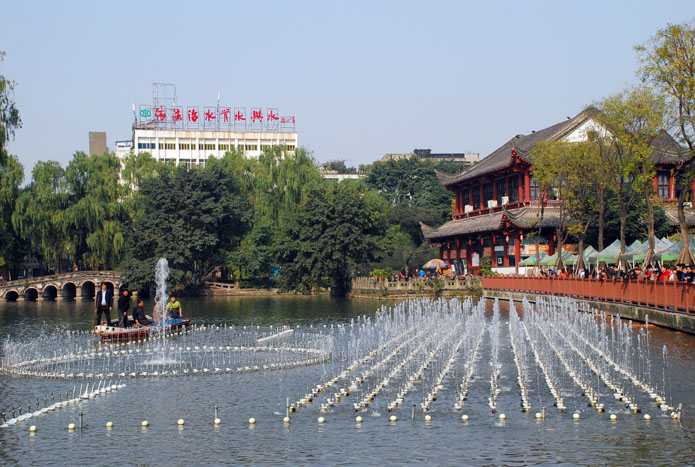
362 78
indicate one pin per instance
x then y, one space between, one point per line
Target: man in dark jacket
104 303
139 315
123 307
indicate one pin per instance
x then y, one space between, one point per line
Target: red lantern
448 245
507 238
521 237
458 244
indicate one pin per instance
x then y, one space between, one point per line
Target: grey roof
525 218
672 216
666 149
502 156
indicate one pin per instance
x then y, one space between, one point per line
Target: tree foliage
335 229
188 217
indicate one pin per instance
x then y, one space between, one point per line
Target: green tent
673 252
552 260
607 255
587 251
636 244
531 260
638 255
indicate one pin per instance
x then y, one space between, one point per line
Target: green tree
635 118
11 177
94 215
413 182
189 217
10 120
38 210
668 61
336 228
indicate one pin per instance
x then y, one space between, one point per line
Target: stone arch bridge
67 286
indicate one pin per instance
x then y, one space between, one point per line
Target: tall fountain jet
161 274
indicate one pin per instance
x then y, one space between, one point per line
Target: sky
362 78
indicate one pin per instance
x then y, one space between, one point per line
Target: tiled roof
502 157
672 216
525 218
666 149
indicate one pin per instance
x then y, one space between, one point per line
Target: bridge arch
68 291
50 292
31 293
87 290
11 295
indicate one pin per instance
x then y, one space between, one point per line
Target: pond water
439 343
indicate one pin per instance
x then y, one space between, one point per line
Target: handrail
61 276
661 295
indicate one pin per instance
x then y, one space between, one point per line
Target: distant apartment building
466 159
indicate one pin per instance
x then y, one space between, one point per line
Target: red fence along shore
668 296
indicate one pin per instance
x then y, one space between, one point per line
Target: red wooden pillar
448 255
482 198
551 246
469 258
527 185
494 189
506 185
470 196
517 251
655 183
671 187
521 188
505 251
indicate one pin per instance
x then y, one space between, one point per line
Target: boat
109 333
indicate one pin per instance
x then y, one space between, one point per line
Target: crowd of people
104 306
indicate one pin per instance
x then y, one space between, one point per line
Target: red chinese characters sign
215 118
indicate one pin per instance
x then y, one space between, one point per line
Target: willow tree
668 62
9 114
11 177
635 118
94 216
38 209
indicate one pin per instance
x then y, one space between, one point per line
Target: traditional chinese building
498 202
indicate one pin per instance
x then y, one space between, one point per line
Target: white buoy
180 422
321 420
32 429
503 416
252 421
464 418
428 418
539 415
71 427
217 421
647 416
576 415
109 425
145 424
393 418
358 419
614 417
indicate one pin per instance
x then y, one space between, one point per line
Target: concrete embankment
671 320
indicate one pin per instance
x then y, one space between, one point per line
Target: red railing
664 295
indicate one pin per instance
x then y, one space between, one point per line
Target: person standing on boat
174 310
123 307
104 303
139 316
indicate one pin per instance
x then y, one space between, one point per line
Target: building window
185 146
465 197
290 147
146 146
252 147
208 146
487 193
501 190
663 181
535 189
476 197
265 146
224 147
167 145
514 189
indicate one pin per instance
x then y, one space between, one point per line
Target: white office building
196 146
